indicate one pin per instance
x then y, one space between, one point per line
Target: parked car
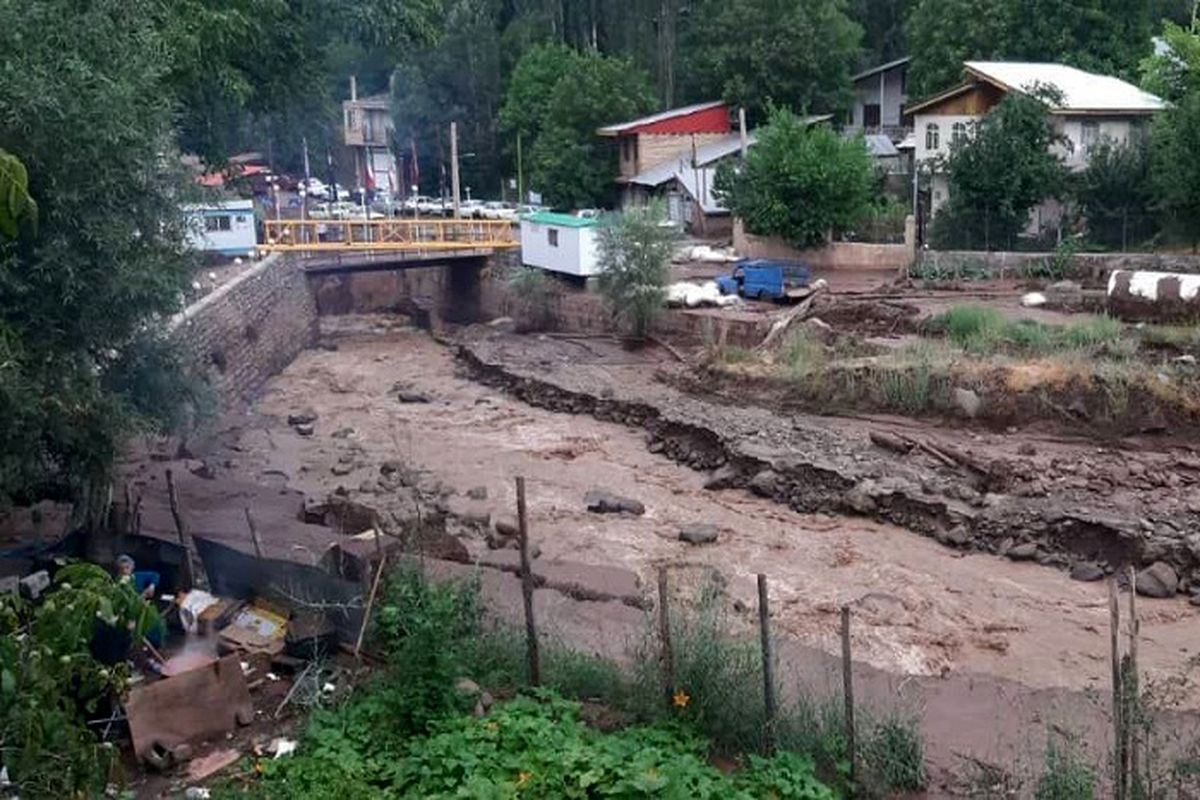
767 279
429 206
496 210
312 187
467 209
339 210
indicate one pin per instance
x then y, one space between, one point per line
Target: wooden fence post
1118 702
848 695
1133 696
768 664
531 639
253 534
189 568
664 636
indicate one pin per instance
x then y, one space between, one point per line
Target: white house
879 97
1092 107
560 243
223 228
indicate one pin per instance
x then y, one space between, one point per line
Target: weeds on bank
408 733
986 331
1066 775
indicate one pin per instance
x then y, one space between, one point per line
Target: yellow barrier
395 235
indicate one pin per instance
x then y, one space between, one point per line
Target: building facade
367 132
880 94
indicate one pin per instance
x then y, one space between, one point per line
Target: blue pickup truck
766 279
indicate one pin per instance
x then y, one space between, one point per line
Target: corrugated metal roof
1082 91
560 220
614 130
880 146
899 62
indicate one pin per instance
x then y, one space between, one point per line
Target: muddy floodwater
921 608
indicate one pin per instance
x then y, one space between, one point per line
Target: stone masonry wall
249 329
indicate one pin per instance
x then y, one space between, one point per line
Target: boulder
342 468
955 537
410 396
31 586
477 493
699 533
763 484
304 416
859 500
1026 551
507 527
304 428
1088 573
602 502
1157 580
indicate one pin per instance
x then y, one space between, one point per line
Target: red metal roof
700 118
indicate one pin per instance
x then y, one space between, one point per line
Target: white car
498 211
428 206
467 209
312 187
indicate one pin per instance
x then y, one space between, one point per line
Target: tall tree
882 22
800 182
1115 193
1108 36
89 111
1176 170
797 53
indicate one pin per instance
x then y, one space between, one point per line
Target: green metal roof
561 220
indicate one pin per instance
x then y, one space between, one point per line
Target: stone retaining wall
250 328
832 257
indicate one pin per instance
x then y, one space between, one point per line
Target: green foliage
50 683
568 163
1065 775
1175 72
1000 174
794 53
1107 36
799 182
17 208
92 121
983 330
1175 169
634 252
1115 193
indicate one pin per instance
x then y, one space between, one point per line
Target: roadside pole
531 638
768 662
454 165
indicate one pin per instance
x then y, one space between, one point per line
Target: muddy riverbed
921 608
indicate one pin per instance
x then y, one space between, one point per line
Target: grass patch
1065 774
986 331
803 353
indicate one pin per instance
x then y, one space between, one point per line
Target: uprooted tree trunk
781 326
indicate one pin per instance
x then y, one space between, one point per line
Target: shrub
1065 775
633 258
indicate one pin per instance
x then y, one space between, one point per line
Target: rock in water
1086 572
1157 580
722 478
763 484
305 416
699 533
602 502
1023 552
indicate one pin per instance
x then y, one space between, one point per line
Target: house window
958 133
1089 135
552 237
871 115
933 136
215 224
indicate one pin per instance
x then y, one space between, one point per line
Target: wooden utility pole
664 636
531 640
454 165
764 628
848 693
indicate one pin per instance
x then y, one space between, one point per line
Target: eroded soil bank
989 651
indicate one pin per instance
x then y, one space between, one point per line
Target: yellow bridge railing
394 235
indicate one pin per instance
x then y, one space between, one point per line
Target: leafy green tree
752 53
882 22
799 182
1174 72
1000 173
92 122
1115 193
1108 36
1175 168
568 163
635 252
17 208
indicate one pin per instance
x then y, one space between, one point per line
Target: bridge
401 237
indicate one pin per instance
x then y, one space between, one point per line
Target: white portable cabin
560 243
223 228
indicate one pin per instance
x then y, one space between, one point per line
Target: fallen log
891 442
782 325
